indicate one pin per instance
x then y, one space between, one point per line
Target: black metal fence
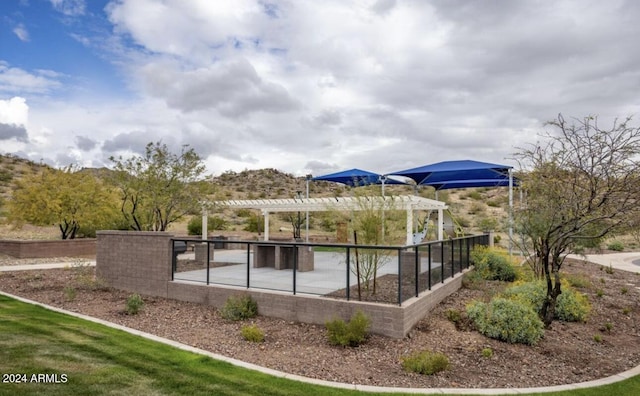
386 274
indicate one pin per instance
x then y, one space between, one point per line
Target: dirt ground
608 343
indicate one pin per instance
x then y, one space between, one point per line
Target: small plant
252 333
607 327
626 310
507 320
353 333
609 270
579 281
426 362
453 315
624 291
492 265
239 308
487 353
597 338
616 246
70 293
599 293
134 304
571 305
602 279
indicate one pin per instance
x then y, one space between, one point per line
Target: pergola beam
409 203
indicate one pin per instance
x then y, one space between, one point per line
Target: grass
99 360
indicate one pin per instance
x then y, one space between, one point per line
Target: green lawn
98 360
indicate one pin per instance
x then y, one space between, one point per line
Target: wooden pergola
408 203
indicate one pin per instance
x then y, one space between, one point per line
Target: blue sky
308 86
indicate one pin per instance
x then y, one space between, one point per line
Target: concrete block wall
46 248
141 262
416 307
385 319
135 261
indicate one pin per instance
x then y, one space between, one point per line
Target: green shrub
239 308
475 195
492 265
506 320
252 333
426 362
70 293
194 227
353 333
453 315
487 224
579 281
571 305
616 246
134 304
487 353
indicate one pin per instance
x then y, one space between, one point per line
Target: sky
308 87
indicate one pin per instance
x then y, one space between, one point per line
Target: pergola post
205 218
265 213
440 224
410 226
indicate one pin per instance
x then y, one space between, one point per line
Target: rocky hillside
473 209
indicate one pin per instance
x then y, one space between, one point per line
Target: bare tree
582 184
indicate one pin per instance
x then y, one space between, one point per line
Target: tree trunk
554 289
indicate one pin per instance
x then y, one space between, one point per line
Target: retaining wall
48 248
141 262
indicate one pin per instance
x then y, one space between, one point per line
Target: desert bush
579 281
507 320
194 227
239 308
475 195
353 333
486 223
492 265
571 305
487 353
476 208
616 246
134 304
70 293
252 333
426 362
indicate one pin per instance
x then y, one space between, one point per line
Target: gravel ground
569 352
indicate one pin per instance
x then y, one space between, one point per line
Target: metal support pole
307 220
510 211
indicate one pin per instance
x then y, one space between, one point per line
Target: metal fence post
399 277
208 260
348 272
295 266
417 263
429 262
248 264
442 261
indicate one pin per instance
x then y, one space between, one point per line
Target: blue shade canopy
444 185
356 178
459 174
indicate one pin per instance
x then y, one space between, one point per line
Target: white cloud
315 86
69 7
15 80
22 32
